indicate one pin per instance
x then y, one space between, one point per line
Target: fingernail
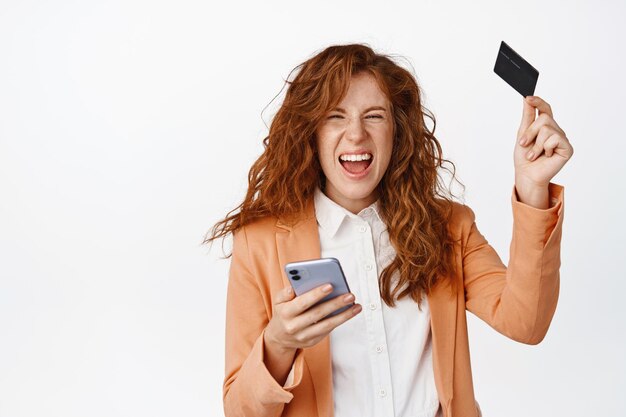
327 288
348 297
530 155
289 290
522 140
356 309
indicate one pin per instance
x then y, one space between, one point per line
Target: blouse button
372 306
362 229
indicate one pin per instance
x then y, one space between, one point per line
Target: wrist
533 194
275 347
278 360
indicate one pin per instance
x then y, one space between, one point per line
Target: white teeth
361 157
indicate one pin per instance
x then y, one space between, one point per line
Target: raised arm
518 301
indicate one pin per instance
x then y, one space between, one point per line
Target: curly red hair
415 205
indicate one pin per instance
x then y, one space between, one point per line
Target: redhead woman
350 171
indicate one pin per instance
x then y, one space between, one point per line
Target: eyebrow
340 110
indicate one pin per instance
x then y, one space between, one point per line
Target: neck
354 205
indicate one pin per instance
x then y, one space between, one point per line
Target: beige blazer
518 301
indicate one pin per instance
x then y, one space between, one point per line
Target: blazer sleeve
249 389
518 301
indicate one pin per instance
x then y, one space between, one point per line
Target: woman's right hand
296 325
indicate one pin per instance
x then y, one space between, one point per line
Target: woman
349 170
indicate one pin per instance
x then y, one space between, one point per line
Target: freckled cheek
327 143
384 159
326 157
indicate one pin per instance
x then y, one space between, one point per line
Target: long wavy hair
414 202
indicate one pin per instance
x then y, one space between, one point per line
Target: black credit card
516 71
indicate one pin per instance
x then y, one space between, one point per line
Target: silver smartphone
306 275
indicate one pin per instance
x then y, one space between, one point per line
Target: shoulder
461 219
263 230
268 226
257 230
254 243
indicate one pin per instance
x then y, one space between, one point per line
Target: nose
355 131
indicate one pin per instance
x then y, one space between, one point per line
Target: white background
127 129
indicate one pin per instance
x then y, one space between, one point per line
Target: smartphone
306 275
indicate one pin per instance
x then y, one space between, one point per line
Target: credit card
516 71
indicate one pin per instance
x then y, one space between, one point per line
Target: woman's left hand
542 147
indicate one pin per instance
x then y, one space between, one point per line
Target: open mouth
356 164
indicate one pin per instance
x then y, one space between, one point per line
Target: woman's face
360 128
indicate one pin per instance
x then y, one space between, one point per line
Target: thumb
528 117
283 295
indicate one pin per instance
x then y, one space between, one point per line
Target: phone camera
294 272
295 277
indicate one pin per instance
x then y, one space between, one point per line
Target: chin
356 191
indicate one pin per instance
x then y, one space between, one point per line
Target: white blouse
381 358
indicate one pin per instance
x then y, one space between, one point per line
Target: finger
538 146
561 146
319 312
531 132
541 105
528 116
327 325
303 302
551 144
283 295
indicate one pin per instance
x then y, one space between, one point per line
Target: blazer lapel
443 306
296 243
